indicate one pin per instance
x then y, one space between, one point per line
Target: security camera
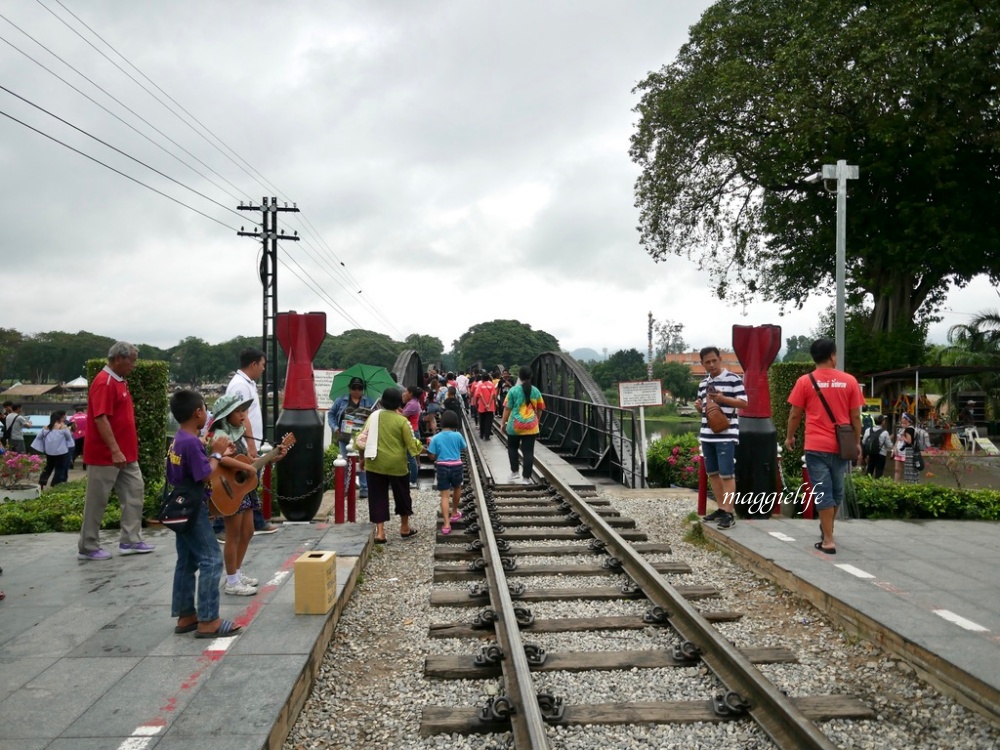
813 178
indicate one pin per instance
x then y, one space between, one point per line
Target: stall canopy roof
926 372
31 391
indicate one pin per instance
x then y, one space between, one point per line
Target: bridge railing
597 434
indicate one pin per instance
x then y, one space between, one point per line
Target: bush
148 384
781 378
329 456
61 509
674 460
884 498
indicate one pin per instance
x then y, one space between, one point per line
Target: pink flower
672 461
688 469
676 450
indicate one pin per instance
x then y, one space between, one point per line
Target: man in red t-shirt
111 453
826 468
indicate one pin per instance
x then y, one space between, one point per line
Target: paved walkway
928 591
89 660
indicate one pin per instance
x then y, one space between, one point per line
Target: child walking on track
197 550
446 448
484 401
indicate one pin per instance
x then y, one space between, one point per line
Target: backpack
867 422
870 446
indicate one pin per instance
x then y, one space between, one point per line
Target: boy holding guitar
234 485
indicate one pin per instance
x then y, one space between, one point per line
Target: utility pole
649 353
269 236
841 172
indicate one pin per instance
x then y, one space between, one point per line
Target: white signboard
640 393
323 379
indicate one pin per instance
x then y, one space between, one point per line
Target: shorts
719 458
449 477
826 475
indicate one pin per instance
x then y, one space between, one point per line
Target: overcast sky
464 161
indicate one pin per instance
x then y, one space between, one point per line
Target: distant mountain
585 355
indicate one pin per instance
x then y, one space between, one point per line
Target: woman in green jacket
388 438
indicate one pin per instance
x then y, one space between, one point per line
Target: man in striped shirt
718 449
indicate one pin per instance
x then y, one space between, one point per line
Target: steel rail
773 711
527 724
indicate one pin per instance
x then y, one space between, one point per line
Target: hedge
61 509
884 498
148 384
781 379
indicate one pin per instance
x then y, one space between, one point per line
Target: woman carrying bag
57 443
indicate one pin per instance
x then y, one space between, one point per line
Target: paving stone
46 705
16 672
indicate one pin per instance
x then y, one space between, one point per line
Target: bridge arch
579 423
409 370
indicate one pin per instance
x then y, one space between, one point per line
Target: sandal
408 534
379 541
226 629
825 550
189 628
446 530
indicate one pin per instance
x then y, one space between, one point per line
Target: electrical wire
118 150
116 171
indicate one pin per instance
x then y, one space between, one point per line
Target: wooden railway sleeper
730 705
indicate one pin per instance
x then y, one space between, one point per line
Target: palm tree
976 343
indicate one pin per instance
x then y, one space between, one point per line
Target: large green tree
624 364
430 348
766 91
506 342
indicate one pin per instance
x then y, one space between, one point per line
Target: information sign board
323 380
640 393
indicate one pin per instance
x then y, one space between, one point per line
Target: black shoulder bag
180 505
846 444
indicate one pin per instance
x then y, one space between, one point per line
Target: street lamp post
841 172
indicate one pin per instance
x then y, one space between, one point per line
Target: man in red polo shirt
826 468
112 457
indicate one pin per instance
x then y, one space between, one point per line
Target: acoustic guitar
230 485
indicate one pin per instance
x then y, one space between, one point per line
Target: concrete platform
927 591
89 659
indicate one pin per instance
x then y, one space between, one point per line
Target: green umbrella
377 379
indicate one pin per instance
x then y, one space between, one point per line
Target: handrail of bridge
595 433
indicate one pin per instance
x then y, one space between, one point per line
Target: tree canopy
766 91
506 342
624 364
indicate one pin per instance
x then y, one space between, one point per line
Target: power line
116 171
127 124
119 102
118 150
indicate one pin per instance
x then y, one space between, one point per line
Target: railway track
505 527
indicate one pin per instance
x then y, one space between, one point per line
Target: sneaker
715 515
363 494
137 548
727 521
97 554
221 537
267 528
240 589
527 480
414 486
248 580
514 476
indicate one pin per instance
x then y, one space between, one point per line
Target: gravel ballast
371 688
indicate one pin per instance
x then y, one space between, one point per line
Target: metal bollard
265 494
807 511
352 490
702 489
339 467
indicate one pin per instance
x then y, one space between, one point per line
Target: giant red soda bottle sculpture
300 474
757 453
